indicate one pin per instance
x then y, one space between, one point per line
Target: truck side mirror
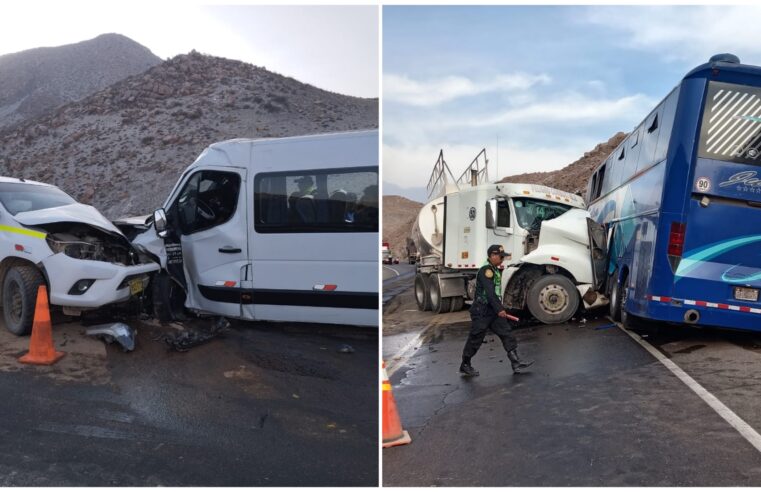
491 213
159 222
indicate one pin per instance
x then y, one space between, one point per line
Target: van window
27 197
329 200
208 199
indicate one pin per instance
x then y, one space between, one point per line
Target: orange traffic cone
41 349
393 434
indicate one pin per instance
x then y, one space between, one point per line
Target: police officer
487 312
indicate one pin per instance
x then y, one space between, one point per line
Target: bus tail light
676 243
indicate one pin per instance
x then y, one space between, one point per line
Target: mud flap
599 252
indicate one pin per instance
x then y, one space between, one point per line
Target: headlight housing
80 250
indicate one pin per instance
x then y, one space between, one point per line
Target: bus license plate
746 294
135 286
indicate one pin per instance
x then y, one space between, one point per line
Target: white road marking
397 273
401 357
745 430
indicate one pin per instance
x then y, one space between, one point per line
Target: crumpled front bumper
64 271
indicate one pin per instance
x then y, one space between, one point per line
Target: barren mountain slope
123 148
573 177
34 82
399 214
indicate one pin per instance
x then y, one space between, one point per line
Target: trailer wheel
438 304
422 297
553 299
457 304
616 294
20 298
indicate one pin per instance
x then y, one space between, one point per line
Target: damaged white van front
47 237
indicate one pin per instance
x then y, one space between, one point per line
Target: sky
331 47
535 86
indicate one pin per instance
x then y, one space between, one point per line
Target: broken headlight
80 250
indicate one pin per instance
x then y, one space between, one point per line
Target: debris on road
187 339
115 332
346 349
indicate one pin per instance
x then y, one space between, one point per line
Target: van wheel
20 298
616 294
422 297
168 299
553 299
438 304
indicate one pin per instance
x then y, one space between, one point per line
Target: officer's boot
466 369
517 363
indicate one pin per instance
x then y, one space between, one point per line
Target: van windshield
27 197
530 212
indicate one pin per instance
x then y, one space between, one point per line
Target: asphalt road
268 404
597 409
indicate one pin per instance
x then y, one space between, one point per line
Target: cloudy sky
547 83
331 47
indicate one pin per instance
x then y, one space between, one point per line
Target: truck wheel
553 299
616 294
422 297
438 304
457 304
20 298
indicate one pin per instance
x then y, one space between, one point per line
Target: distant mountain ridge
36 81
122 148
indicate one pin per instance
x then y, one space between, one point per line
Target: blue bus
680 200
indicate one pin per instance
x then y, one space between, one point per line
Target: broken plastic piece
115 332
185 340
346 349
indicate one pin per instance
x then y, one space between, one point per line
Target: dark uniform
484 314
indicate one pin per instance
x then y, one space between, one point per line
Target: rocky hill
572 178
399 213
123 148
34 82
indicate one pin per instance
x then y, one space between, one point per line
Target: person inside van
301 207
367 209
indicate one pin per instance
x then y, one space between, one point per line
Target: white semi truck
556 256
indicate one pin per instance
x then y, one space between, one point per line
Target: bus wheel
422 297
553 299
616 294
438 304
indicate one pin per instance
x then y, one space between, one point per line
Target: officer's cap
496 248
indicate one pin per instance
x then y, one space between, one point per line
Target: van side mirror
159 222
491 213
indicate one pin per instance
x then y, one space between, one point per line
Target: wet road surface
267 404
596 409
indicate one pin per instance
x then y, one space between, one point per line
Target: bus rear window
731 126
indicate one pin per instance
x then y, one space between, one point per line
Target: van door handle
229 249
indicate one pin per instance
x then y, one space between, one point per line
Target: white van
273 229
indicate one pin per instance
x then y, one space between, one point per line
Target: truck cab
273 229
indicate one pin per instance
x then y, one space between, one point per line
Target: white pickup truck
47 237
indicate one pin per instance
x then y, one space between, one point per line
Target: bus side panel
676 195
632 212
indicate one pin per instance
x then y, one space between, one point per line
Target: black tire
616 295
553 299
438 304
422 296
20 298
457 304
168 298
